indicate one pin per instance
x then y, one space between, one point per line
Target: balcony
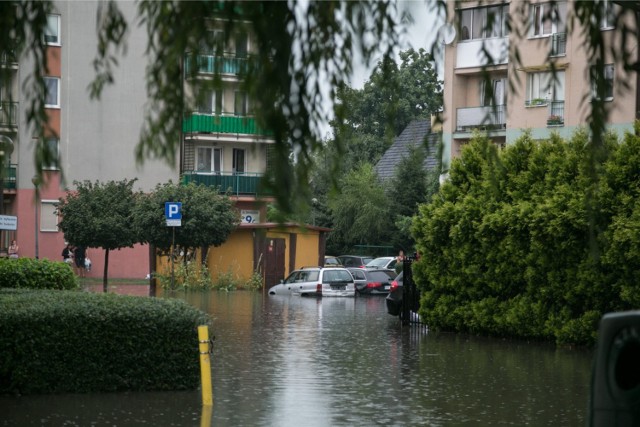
558 44
8 114
556 114
210 64
234 184
491 117
9 182
206 123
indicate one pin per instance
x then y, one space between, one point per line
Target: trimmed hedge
36 274
537 240
62 341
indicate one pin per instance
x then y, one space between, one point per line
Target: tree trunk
105 285
152 270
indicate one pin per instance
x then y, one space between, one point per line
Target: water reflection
291 361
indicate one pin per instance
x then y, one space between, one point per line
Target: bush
32 273
63 341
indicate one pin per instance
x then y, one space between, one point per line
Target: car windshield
378 262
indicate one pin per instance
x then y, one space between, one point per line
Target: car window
309 276
381 276
343 276
366 261
358 274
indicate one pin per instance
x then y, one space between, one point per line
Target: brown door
273 261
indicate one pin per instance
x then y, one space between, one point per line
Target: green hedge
64 341
36 274
537 240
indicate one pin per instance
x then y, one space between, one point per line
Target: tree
98 215
207 218
361 211
300 44
392 97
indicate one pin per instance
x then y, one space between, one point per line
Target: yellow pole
205 365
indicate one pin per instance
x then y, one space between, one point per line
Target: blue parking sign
173 213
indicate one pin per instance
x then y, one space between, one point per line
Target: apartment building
525 94
221 146
94 140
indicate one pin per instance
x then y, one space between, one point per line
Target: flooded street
291 361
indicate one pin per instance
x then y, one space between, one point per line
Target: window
492 92
212 103
608 15
52 30
542 88
240 104
548 19
238 160
484 22
49 215
209 159
606 92
214 43
53 145
52 98
242 45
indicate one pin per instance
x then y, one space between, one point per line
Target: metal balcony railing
491 117
8 114
237 184
556 113
210 64
558 44
9 178
209 123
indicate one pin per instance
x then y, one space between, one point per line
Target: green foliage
32 273
530 242
98 215
189 275
361 211
63 341
225 281
207 217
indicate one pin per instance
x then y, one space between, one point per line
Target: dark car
394 299
358 261
372 281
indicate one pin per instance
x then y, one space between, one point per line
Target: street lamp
36 183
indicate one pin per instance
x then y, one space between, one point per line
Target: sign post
173 216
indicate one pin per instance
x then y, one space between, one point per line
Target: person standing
13 249
67 254
79 254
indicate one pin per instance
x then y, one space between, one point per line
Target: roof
413 135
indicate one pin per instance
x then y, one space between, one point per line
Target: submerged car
372 281
331 261
358 261
388 262
317 281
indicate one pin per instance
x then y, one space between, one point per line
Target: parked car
372 281
331 261
358 261
317 281
388 262
394 299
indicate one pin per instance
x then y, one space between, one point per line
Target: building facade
547 90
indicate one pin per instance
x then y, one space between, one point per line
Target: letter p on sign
173 214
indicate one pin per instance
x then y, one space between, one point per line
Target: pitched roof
415 134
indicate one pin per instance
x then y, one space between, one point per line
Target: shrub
32 273
63 341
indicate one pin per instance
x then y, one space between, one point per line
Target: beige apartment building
525 93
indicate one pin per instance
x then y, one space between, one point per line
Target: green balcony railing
237 184
8 114
204 123
210 64
9 182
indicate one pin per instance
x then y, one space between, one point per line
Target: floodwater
292 361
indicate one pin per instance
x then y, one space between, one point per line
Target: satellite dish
446 34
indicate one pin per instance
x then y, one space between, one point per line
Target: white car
384 262
317 281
